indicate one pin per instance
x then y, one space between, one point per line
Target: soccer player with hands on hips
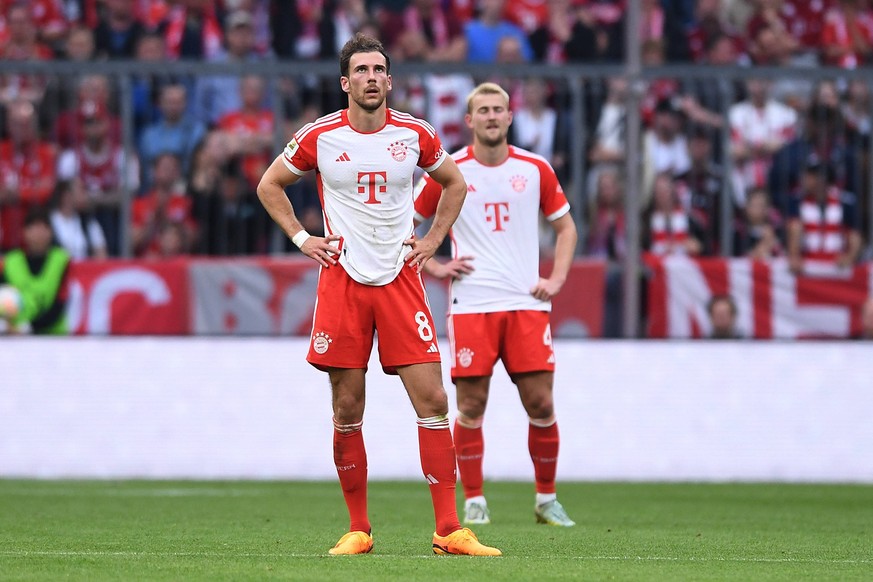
370 279
499 304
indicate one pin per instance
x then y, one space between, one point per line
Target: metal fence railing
612 133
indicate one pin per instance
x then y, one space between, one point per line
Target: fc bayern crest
398 150
465 357
519 183
321 342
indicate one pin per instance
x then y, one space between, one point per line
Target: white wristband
300 238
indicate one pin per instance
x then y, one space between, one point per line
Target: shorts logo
465 357
321 342
519 183
398 150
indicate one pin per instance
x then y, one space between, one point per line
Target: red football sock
438 466
350 458
470 447
542 441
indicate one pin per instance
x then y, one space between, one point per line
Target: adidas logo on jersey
344 158
432 349
471 188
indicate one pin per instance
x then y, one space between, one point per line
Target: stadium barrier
272 296
253 409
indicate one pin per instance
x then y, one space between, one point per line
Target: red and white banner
771 301
259 297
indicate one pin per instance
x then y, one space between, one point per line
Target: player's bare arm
454 187
565 248
271 192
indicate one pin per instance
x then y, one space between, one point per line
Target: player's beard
366 105
492 142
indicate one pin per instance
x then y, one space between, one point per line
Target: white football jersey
499 226
365 185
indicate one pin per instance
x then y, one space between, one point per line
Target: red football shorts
347 313
522 339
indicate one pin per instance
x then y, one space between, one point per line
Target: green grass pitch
194 530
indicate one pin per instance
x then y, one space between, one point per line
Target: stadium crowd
798 150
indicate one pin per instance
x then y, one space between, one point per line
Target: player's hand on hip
454 269
422 250
319 249
545 289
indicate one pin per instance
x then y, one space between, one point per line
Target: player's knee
472 406
540 406
348 409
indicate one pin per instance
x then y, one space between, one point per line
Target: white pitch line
132 554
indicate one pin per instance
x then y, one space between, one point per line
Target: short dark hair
37 214
721 298
361 43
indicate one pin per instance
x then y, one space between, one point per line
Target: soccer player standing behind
499 304
370 278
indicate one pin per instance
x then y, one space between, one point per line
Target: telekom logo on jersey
498 213
369 184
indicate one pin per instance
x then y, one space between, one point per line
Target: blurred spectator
601 21
535 124
668 228
847 38
262 14
827 94
22 45
528 15
665 148
823 220
756 235
27 171
760 126
233 221
856 113
823 136
207 164
607 238
177 132
655 24
146 89
722 310
548 41
119 30
483 34
73 222
700 189
193 31
867 320
782 23
249 130
608 142
172 242
69 127
105 172
166 202
47 17
658 90
79 45
709 25
215 97
39 271
424 30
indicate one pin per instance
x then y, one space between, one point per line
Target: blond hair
486 89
